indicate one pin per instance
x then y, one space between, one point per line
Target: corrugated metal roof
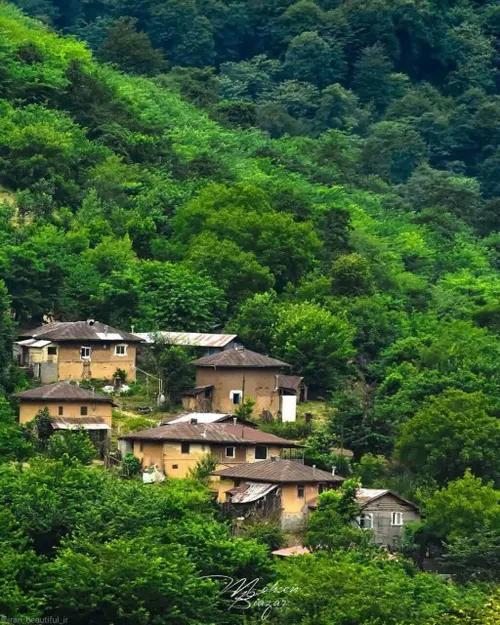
74 423
278 471
193 339
201 417
239 358
81 331
251 491
62 391
364 496
33 343
210 433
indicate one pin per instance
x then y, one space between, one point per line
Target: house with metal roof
225 379
70 407
175 448
77 350
277 489
383 512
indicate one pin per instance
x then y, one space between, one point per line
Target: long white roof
193 339
201 417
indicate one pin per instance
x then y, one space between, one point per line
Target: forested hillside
366 258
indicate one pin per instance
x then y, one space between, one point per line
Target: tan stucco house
70 407
174 449
225 379
276 489
77 350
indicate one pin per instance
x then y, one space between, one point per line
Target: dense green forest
322 180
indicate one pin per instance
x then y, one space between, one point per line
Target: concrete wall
29 409
102 364
259 384
384 533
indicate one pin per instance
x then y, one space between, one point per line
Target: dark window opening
185 448
84 411
175 466
51 351
60 410
300 491
236 398
260 452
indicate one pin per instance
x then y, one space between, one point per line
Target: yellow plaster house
225 379
70 407
176 448
283 489
77 350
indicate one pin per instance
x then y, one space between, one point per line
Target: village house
70 407
174 449
203 344
277 489
77 350
225 379
385 513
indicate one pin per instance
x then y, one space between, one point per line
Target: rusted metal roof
62 391
278 471
251 491
364 496
239 358
74 423
210 433
290 382
193 339
192 392
81 331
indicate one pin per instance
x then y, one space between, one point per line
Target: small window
237 483
185 448
300 491
60 411
322 488
396 518
120 350
52 351
84 411
230 452
228 497
260 452
85 352
175 466
365 521
236 397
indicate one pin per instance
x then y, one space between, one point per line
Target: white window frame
231 455
87 349
361 520
396 519
233 393
124 345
